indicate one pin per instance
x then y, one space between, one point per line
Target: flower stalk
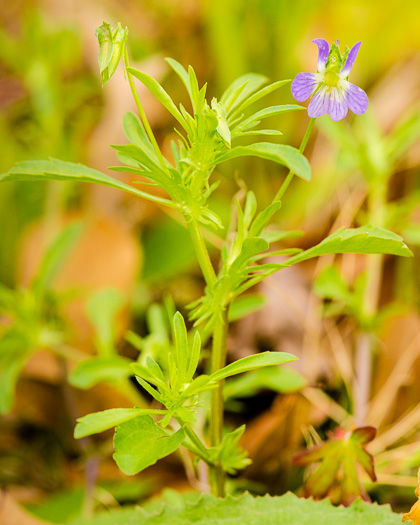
290 175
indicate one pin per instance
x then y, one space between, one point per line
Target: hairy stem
218 361
290 175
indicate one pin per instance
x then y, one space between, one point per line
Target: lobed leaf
248 510
140 442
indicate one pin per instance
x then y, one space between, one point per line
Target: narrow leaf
181 72
56 255
154 87
259 94
252 362
100 421
285 155
53 169
366 239
99 369
181 345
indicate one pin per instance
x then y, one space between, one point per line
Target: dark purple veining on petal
324 49
303 86
356 99
350 60
319 104
338 107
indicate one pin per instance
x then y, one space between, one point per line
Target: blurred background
52 105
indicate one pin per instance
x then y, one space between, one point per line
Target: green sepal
111 47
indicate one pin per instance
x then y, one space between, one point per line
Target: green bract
111 46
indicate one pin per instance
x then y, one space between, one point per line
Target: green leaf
285 155
231 456
366 239
248 510
251 363
278 379
262 219
53 169
181 345
140 442
14 351
231 98
56 255
106 419
157 90
336 471
259 94
245 305
99 369
136 134
102 309
181 72
330 285
264 113
251 246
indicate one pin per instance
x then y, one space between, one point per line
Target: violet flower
334 94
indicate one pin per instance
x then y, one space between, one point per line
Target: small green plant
210 133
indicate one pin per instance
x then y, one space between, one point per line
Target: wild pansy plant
210 133
332 93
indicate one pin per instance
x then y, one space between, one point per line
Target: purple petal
356 98
304 85
338 107
350 60
319 105
324 50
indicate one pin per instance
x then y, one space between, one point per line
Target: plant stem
201 449
142 114
218 361
363 363
201 251
290 175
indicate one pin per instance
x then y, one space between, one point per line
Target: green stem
201 251
142 114
201 450
218 361
290 175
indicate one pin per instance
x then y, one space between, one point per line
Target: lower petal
356 98
338 106
304 85
320 103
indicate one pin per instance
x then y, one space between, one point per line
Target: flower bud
111 46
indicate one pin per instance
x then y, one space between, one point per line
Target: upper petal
338 107
304 85
356 98
344 73
324 50
319 105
